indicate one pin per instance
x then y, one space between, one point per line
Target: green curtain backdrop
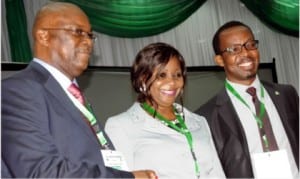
141 18
137 18
282 15
17 31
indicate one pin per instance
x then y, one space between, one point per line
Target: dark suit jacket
228 134
44 134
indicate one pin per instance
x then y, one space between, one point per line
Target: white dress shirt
250 125
62 79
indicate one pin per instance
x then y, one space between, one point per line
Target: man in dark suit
46 132
238 130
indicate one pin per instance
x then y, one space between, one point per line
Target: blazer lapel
53 87
229 115
276 97
147 122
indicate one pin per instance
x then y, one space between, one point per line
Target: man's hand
142 174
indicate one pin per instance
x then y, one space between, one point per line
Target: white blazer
148 144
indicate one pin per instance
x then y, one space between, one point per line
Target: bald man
46 131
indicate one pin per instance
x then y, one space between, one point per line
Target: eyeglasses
76 32
237 48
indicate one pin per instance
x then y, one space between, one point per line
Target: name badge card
273 164
114 159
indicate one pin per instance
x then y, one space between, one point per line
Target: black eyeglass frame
231 51
77 32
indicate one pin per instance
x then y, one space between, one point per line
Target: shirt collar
61 78
241 89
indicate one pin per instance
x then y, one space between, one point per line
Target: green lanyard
259 119
182 129
86 111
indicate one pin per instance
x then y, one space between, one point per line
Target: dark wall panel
109 90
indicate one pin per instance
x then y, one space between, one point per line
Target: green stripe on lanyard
262 105
182 129
261 108
86 111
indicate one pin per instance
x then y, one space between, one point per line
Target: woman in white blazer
157 133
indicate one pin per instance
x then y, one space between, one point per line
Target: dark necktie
266 130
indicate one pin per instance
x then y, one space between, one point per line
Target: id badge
114 159
273 164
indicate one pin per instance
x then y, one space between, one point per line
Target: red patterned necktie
267 128
75 91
